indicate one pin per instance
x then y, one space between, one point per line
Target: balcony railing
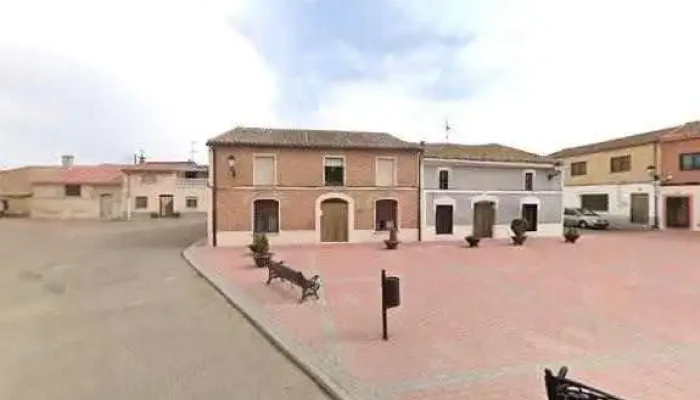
194 182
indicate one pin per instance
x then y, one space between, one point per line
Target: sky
104 79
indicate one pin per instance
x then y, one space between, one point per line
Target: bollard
391 297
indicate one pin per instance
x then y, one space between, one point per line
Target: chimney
67 160
142 157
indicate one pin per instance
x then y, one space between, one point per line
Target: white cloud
180 62
570 73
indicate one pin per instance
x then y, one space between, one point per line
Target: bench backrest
287 273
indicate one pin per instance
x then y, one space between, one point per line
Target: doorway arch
334 218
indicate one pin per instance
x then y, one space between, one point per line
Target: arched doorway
484 218
334 220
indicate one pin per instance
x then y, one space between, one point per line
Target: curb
303 359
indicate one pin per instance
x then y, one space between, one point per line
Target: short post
390 299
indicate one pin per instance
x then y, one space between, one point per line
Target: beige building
79 192
16 188
311 186
165 189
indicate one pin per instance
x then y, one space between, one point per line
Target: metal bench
561 388
309 287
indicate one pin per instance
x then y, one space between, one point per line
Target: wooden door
484 219
334 221
105 206
639 208
529 213
443 220
678 212
167 208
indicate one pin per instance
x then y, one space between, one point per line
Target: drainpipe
213 197
656 177
421 208
128 196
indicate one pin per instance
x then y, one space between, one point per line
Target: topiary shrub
519 227
571 234
261 250
473 241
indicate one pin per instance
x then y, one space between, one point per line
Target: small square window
334 171
191 202
620 164
141 202
579 168
73 190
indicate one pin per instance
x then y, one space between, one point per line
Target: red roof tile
105 174
165 166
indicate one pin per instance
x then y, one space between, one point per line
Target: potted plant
393 242
261 250
571 234
472 241
519 227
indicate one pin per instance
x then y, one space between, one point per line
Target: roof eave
320 147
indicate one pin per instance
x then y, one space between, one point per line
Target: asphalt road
92 310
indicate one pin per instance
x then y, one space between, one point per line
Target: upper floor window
73 190
334 171
444 179
190 174
689 161
620 164
529 181
264 170
266 216
386 171
579 168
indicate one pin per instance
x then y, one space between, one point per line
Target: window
689 161
191 202
444 179
140 202
264 170
595 202
72 190
386 214
334 171
529 181
386 171
569 211
579 168
149 178
266 216
620 164
190 174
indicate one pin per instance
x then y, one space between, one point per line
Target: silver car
584 218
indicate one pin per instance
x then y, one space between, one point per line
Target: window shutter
385 172
264 171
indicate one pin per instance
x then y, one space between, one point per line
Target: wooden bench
309 287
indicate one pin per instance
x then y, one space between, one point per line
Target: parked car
584 218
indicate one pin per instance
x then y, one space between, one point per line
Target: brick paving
620 309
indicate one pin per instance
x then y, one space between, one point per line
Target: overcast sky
103 79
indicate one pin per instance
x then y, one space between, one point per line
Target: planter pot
518 240
571 238
472 241
391 244
262 260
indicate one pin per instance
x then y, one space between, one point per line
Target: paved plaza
621 310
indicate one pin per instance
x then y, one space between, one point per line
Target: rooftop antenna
192 150
448 128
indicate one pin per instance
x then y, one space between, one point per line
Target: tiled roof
104 174
310 138
165 166
628 141
686 131
484 152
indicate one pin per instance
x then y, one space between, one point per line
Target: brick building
311 186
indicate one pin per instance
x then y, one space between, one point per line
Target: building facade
479 190
312 186
614 178
165 189
679 178
16 188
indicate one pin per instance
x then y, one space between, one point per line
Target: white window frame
449 177
394 173
534 175
274 168
345 169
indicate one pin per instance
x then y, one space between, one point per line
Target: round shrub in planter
519 227
472 241
260 249
571 234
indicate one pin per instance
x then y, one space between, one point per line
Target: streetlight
654 175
